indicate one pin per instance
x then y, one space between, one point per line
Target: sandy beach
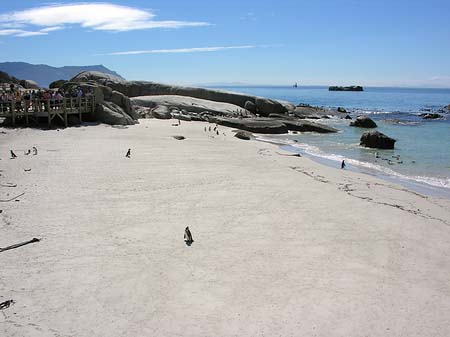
283 246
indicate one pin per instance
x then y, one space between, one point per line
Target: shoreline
320 247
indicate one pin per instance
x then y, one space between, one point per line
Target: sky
264 42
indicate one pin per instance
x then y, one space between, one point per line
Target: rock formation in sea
350 88
364 122
378 140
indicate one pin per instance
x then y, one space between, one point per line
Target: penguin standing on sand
188 236
343 164
128 155
13 155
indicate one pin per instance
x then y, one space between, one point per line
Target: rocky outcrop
29 84
250 106
244 135
378 140
256 125
191 105
104 95
430 116
143 88
364 122
111 113
161 112
57 84
350 88
307 126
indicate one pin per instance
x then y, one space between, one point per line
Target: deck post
47 107
79 109
13 112
66 124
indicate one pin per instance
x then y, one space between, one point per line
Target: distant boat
295 85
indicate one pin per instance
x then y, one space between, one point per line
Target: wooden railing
35 108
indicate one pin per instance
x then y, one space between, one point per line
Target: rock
250 106
179 137
430 116
347 117
350 88
364 122
191 104
375 139
245 135
111 113
313 112
144 88
265 107
277 116
161 112
29 84
340 109
182 117
325 117
307 126
57 84
257 125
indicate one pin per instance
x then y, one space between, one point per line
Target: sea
421 158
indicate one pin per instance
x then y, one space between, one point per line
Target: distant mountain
44 74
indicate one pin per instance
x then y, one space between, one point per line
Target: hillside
44 74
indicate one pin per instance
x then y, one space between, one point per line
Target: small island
350 88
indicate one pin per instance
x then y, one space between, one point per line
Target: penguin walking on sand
188 236
128 155
34 151
13 155
343 164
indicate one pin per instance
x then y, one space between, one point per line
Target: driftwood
19 244
6 304
290 155
6 200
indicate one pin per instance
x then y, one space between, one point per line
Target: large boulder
161 112
244 135
257 125
111 113
378 140
250 106
57 84
29 84
265 107
307 126
364 122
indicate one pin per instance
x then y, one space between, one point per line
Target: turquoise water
422 152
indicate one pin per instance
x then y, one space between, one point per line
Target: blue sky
343 42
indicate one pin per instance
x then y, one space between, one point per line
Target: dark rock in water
348 117
257 125
364 122
378 140
350 88
245 135
430 116
340 109
161 112
250 106
179 137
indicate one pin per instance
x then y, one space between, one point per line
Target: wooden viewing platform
40 108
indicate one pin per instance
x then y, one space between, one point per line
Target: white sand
310 251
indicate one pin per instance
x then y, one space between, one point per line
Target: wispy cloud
95 16
179 50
